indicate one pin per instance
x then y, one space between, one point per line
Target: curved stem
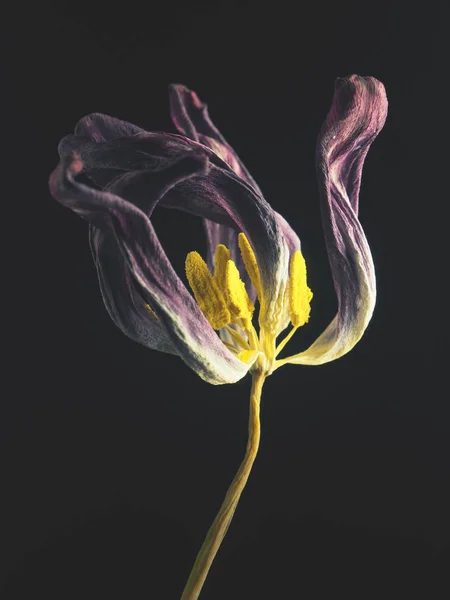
222 521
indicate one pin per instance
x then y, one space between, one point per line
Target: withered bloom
253 255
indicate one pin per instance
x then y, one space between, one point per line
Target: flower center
224 300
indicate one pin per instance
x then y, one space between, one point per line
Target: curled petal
224 198
102 128
121 293
357 115
220 195
190 116
188 330
105 161
122 297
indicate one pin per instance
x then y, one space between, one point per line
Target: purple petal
105 161
188 330
291 238
224 198
120 292
102 128
356 117
219 196
190 116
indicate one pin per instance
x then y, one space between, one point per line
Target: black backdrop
115 458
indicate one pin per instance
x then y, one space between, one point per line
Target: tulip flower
253 256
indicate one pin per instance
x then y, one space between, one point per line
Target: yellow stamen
224 301
251 266
238 301
221 257
207 294
299 293
282 344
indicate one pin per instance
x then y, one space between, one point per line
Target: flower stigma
224 301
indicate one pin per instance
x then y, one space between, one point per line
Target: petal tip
181 90
358 112
356 90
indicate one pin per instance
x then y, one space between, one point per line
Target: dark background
115 458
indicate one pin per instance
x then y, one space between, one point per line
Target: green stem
223 519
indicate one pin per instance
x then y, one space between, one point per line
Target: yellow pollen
251 266
238 301
221 257
206 291
299 293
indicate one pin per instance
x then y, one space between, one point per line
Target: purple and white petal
357 115
120 291
188 330
220 195
121 294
